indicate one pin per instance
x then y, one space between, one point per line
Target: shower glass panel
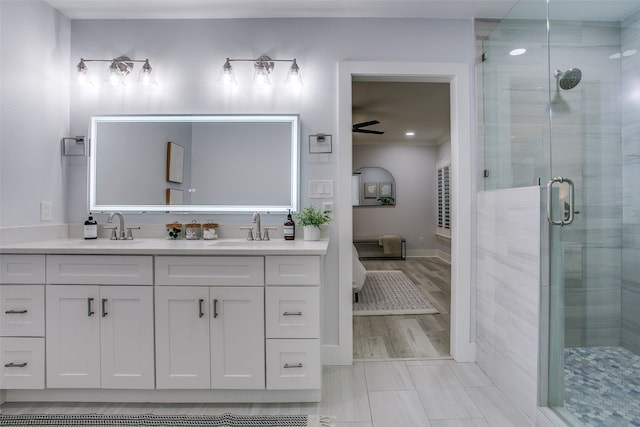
568 107
595 139
514 144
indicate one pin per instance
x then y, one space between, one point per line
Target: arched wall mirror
194 163
373 186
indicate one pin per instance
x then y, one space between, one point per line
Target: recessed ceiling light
616 55
516 52
629 52
410 133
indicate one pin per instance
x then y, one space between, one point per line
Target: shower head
568 79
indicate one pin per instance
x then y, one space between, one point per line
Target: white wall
34 110
414 216
188 56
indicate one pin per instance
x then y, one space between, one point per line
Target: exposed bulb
227 78
293 77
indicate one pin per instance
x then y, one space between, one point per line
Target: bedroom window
444 197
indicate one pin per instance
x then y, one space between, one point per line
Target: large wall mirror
194 163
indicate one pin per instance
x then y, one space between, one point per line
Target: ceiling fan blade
365 124
375 132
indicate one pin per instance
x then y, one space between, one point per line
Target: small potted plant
311 219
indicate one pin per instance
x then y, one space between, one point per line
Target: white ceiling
207 9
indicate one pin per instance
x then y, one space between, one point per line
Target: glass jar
209 231
174 231
193 231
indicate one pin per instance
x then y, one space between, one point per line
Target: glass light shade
261 76
227 77
294 78
83 74
114 76
146 77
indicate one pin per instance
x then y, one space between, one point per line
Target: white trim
463 348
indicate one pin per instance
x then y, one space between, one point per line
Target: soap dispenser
289 228
90 228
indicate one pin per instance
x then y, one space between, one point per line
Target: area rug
224 420
388 292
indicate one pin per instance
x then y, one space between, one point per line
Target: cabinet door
182 337
22 310
126 337
73 336
237 338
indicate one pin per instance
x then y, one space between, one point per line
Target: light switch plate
321 189
45 211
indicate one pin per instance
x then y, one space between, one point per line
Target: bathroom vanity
153 320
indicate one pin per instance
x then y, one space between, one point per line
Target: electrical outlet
46 209
421 240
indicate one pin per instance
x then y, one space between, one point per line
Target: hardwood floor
424 336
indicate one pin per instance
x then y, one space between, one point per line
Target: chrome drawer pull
15 311
287 366
286 313
15 365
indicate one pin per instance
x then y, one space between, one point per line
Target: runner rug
224 420
391 292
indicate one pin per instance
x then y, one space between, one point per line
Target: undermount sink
101 242
245 243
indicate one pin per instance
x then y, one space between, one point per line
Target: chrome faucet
256 221
110 220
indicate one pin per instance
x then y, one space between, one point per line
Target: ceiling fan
357 127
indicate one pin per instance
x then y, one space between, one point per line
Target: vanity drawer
19 269
209 270
22 310
293 364
292 270
292 312
99 270
22 363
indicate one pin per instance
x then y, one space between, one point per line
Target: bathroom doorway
463 184
407 133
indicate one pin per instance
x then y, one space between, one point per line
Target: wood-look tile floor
424 336
429 393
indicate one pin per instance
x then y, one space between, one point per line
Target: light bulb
146 78
113 75
293 76
261 75
83 74
227 78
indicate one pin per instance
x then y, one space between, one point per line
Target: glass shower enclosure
571 123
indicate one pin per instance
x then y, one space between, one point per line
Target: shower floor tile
602 386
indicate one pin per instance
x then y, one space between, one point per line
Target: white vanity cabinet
292 322
100 326
22 321
210 322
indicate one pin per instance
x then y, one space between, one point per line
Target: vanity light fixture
262 69
118 69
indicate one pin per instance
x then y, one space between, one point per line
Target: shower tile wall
631 193
586 147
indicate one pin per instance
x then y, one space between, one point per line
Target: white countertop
155 246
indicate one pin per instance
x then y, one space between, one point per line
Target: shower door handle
568 213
